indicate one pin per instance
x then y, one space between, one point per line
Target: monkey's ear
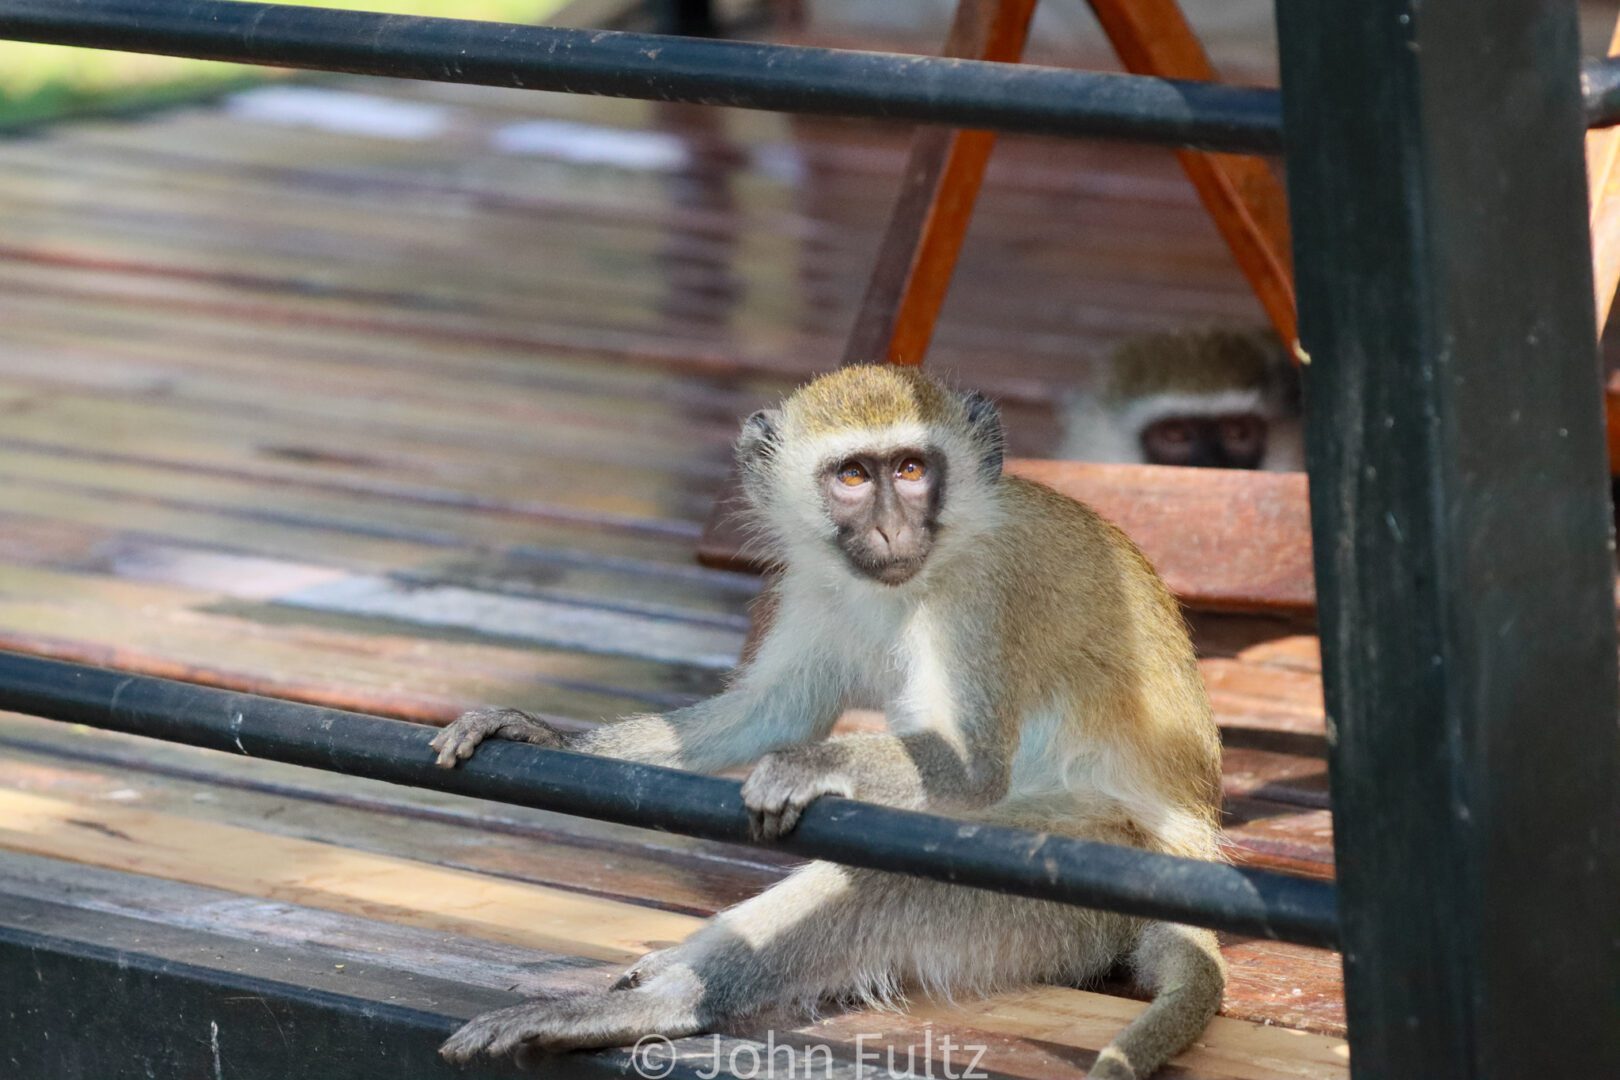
760 434
984 421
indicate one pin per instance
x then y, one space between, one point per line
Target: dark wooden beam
1461 513
937 191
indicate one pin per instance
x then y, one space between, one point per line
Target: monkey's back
1106 648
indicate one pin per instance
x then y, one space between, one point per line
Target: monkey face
884 508
1236 441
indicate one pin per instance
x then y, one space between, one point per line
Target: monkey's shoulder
1060 546
1035 508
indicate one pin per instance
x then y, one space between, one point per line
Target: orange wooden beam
941 183
1603 186
1244 197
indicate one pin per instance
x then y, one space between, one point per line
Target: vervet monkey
1214 398
1035 672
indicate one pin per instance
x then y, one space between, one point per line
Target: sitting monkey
1035 673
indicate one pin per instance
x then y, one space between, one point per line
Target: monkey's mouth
887 571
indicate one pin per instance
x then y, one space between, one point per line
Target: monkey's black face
1237 441
886 508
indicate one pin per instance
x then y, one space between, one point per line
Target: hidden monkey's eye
853 474
1242 435
911 469
1173 432
1170 442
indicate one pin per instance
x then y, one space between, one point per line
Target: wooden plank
1466 568
895 320
1243 196
1002 291
1222 540
1274 984
618 863
175 633
229 509
336 878
420 895
253 962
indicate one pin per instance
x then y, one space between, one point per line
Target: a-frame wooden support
1257 555
1252 551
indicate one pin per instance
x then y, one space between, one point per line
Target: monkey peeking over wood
1212 398
1035 672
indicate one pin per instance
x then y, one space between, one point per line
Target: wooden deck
414 423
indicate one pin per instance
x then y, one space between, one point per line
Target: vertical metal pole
1462 531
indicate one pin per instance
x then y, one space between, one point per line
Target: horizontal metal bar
837 82
841 830
916 89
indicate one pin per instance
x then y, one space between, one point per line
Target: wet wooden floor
413 421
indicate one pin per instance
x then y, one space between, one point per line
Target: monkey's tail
1184 969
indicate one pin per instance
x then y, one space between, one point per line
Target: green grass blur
42 82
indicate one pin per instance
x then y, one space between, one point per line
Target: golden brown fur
868 397
1035 672
1194 361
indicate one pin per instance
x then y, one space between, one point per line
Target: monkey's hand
787 781
458 741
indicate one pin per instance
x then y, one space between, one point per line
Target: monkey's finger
776 822
756 824
759 799
458 747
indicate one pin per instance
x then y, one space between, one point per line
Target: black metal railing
1003 859
914 89
751 75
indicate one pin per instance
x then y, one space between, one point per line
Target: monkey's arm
774 704
931 768
727 730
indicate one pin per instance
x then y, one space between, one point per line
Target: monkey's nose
882 540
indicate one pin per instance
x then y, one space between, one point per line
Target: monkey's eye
1242 434
911 469
1173 432
853 474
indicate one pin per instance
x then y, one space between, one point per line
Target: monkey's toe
495 1034
645 969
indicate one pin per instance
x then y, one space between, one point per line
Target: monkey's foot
458 740
783 784
613 1018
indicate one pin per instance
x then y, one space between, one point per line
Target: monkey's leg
825 932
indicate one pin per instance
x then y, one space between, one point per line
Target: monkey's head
1215 398
872 467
